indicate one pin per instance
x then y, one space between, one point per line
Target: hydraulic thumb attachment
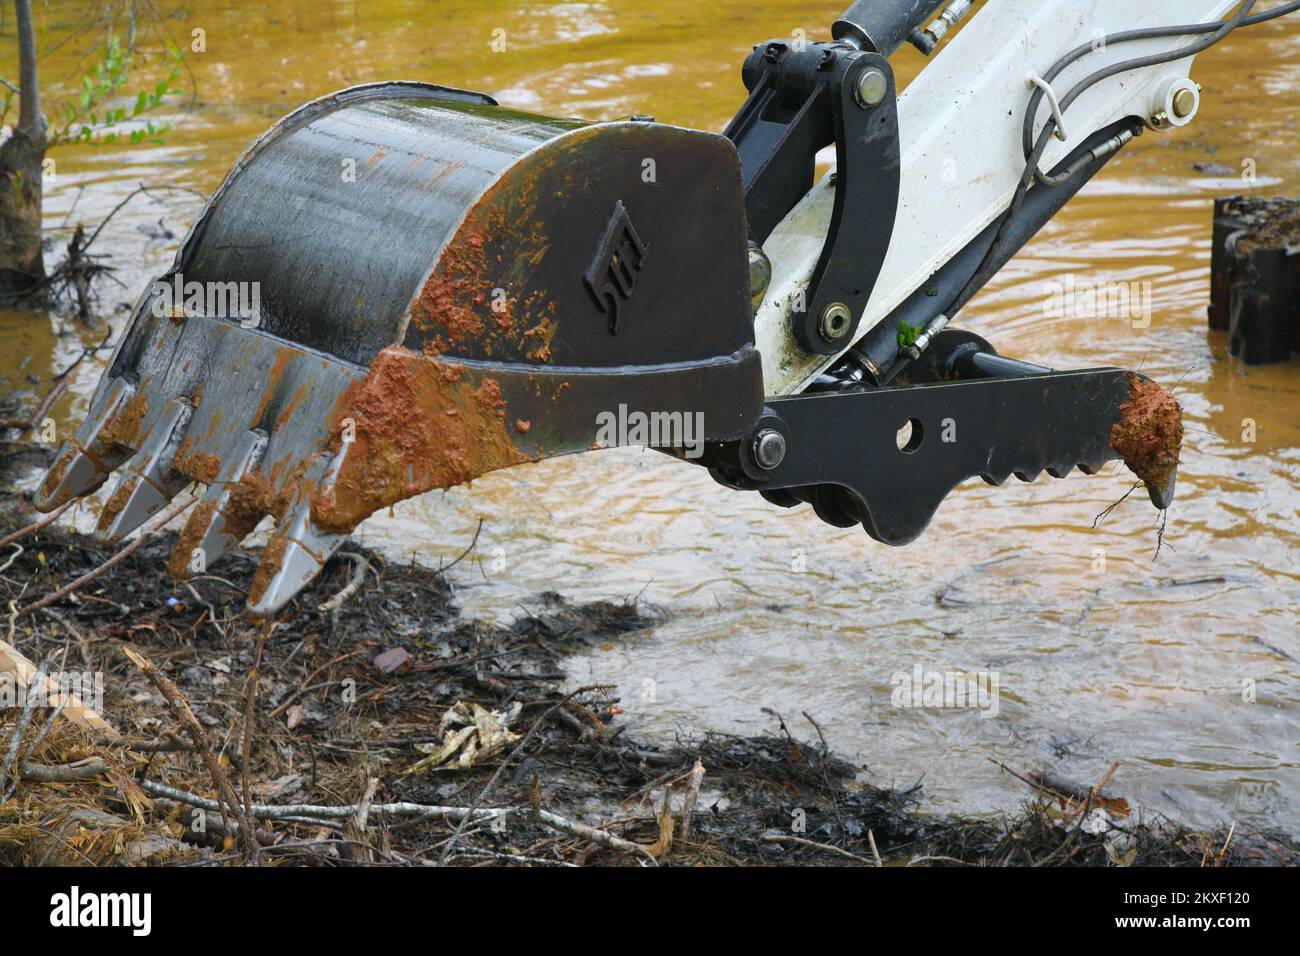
886 458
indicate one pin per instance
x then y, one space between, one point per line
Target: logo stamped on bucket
614 268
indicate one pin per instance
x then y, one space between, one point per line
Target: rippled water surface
1143 661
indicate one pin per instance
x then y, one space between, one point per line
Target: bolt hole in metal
910 435
836 320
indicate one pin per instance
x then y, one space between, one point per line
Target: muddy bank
389 702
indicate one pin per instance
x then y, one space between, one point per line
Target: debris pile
386 728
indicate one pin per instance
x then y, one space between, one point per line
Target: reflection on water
1103 652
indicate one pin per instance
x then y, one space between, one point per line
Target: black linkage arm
803 96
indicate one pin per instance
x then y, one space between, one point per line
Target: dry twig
181 708
159 523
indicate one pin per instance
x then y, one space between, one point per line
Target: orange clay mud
124 428
1149 433
418 424
190 539
251 498
456 293
272 559
118 499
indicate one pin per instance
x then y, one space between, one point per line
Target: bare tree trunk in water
22 264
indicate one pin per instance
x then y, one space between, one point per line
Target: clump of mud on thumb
1149 433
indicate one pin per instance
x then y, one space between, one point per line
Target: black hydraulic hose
1149 33
988 266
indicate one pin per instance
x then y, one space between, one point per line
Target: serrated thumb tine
84 462
1162 495
212 528
150 480
298 550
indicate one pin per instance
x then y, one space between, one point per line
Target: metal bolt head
1184 102
872 87
836 320
1160 119
769 448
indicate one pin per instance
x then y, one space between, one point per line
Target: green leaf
907 335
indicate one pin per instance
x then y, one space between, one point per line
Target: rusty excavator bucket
401 287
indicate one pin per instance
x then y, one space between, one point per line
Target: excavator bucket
401 287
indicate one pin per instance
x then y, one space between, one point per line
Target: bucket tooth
298 550
150 479
1162 495
212 528
84 462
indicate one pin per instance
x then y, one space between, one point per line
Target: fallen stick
692 794
1080 795
112 562
360 567
303 687
145 745
875 853
87 769
35 526
216 824
1228 840
75 631
51 397
60 843
250 704
465 553
30 424
181 707
362 820
453 814
9 770
475 853
592 835
812 844
55 392
324 811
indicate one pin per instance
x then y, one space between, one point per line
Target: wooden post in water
1255 277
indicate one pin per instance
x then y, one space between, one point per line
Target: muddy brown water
1101 651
